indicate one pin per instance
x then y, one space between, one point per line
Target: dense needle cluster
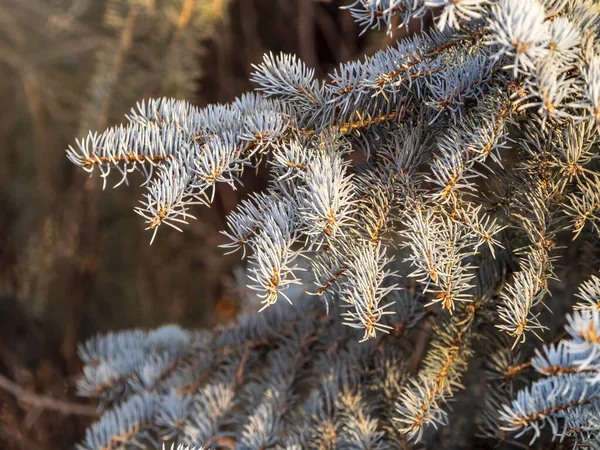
424 195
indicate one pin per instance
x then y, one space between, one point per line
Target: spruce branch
434 182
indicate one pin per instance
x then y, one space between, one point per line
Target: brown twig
46 402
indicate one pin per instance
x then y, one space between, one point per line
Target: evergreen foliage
422 196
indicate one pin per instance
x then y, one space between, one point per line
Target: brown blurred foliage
73 260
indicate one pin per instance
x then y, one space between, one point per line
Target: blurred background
74 260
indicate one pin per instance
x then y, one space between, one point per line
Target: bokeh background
74 260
